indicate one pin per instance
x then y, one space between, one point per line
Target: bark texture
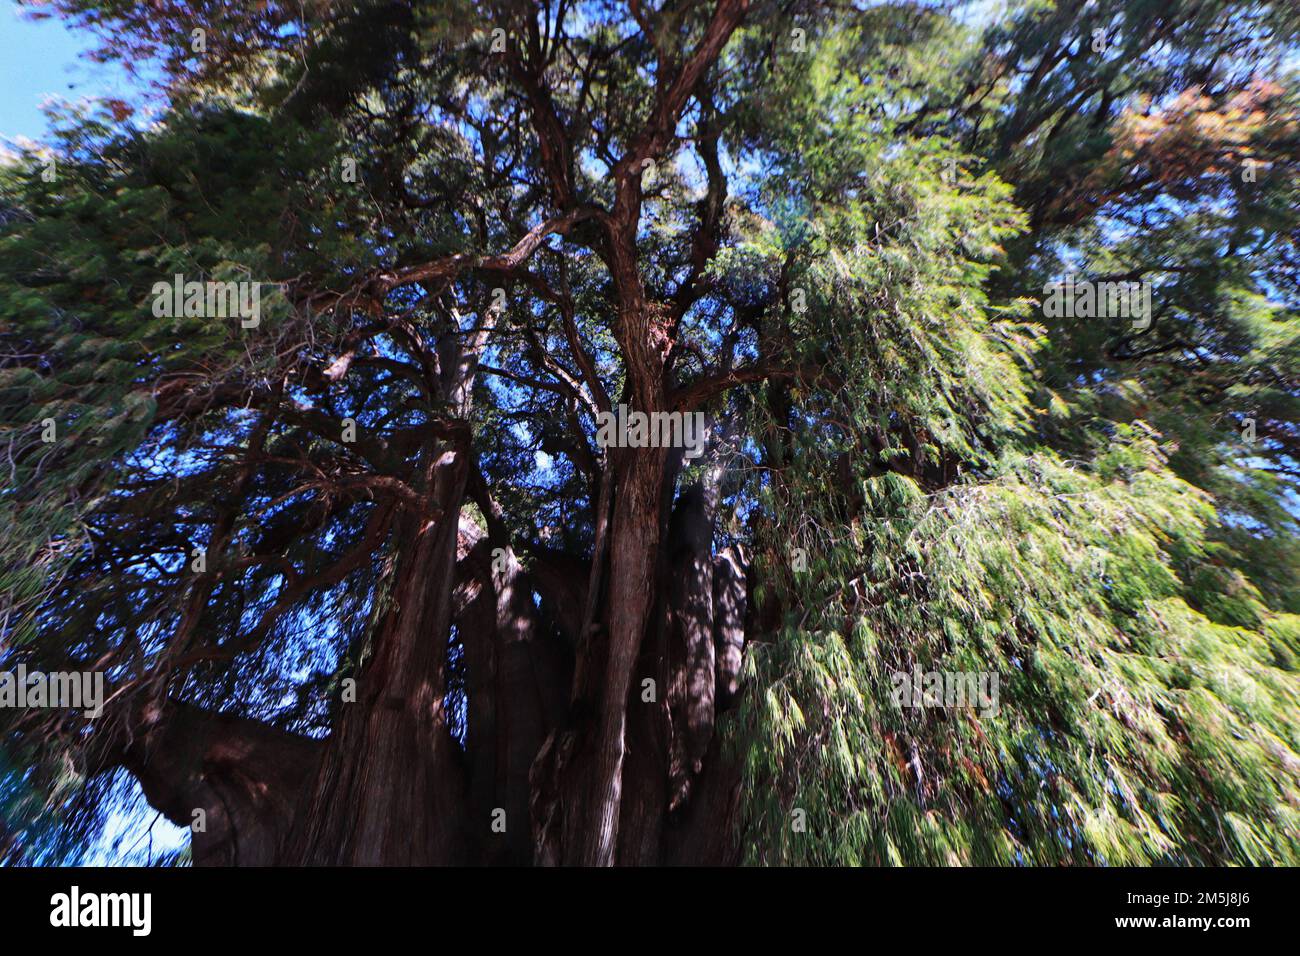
391 786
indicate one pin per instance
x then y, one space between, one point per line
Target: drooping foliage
842 225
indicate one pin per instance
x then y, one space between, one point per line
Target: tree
369 582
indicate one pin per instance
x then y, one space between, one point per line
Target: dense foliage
833 235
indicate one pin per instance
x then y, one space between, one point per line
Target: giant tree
369 586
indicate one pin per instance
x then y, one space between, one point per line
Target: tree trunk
390 789
578 777
619 783
690 647
233 781
390 786
516 681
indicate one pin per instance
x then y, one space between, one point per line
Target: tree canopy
360 575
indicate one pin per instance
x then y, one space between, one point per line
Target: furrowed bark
705 832
527 696
517 677
390 788
577 777
592 833
475 617
649 726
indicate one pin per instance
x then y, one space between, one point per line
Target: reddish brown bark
390 787
517 678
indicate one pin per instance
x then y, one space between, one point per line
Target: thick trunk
690 641
390 789
706 831
730 605
592 834
649 724
233 781
623 772
637 774
578 777
517 678
476 622
529 698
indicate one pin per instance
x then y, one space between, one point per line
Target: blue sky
43 58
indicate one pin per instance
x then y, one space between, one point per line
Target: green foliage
1130 730
1102 516
1127 583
